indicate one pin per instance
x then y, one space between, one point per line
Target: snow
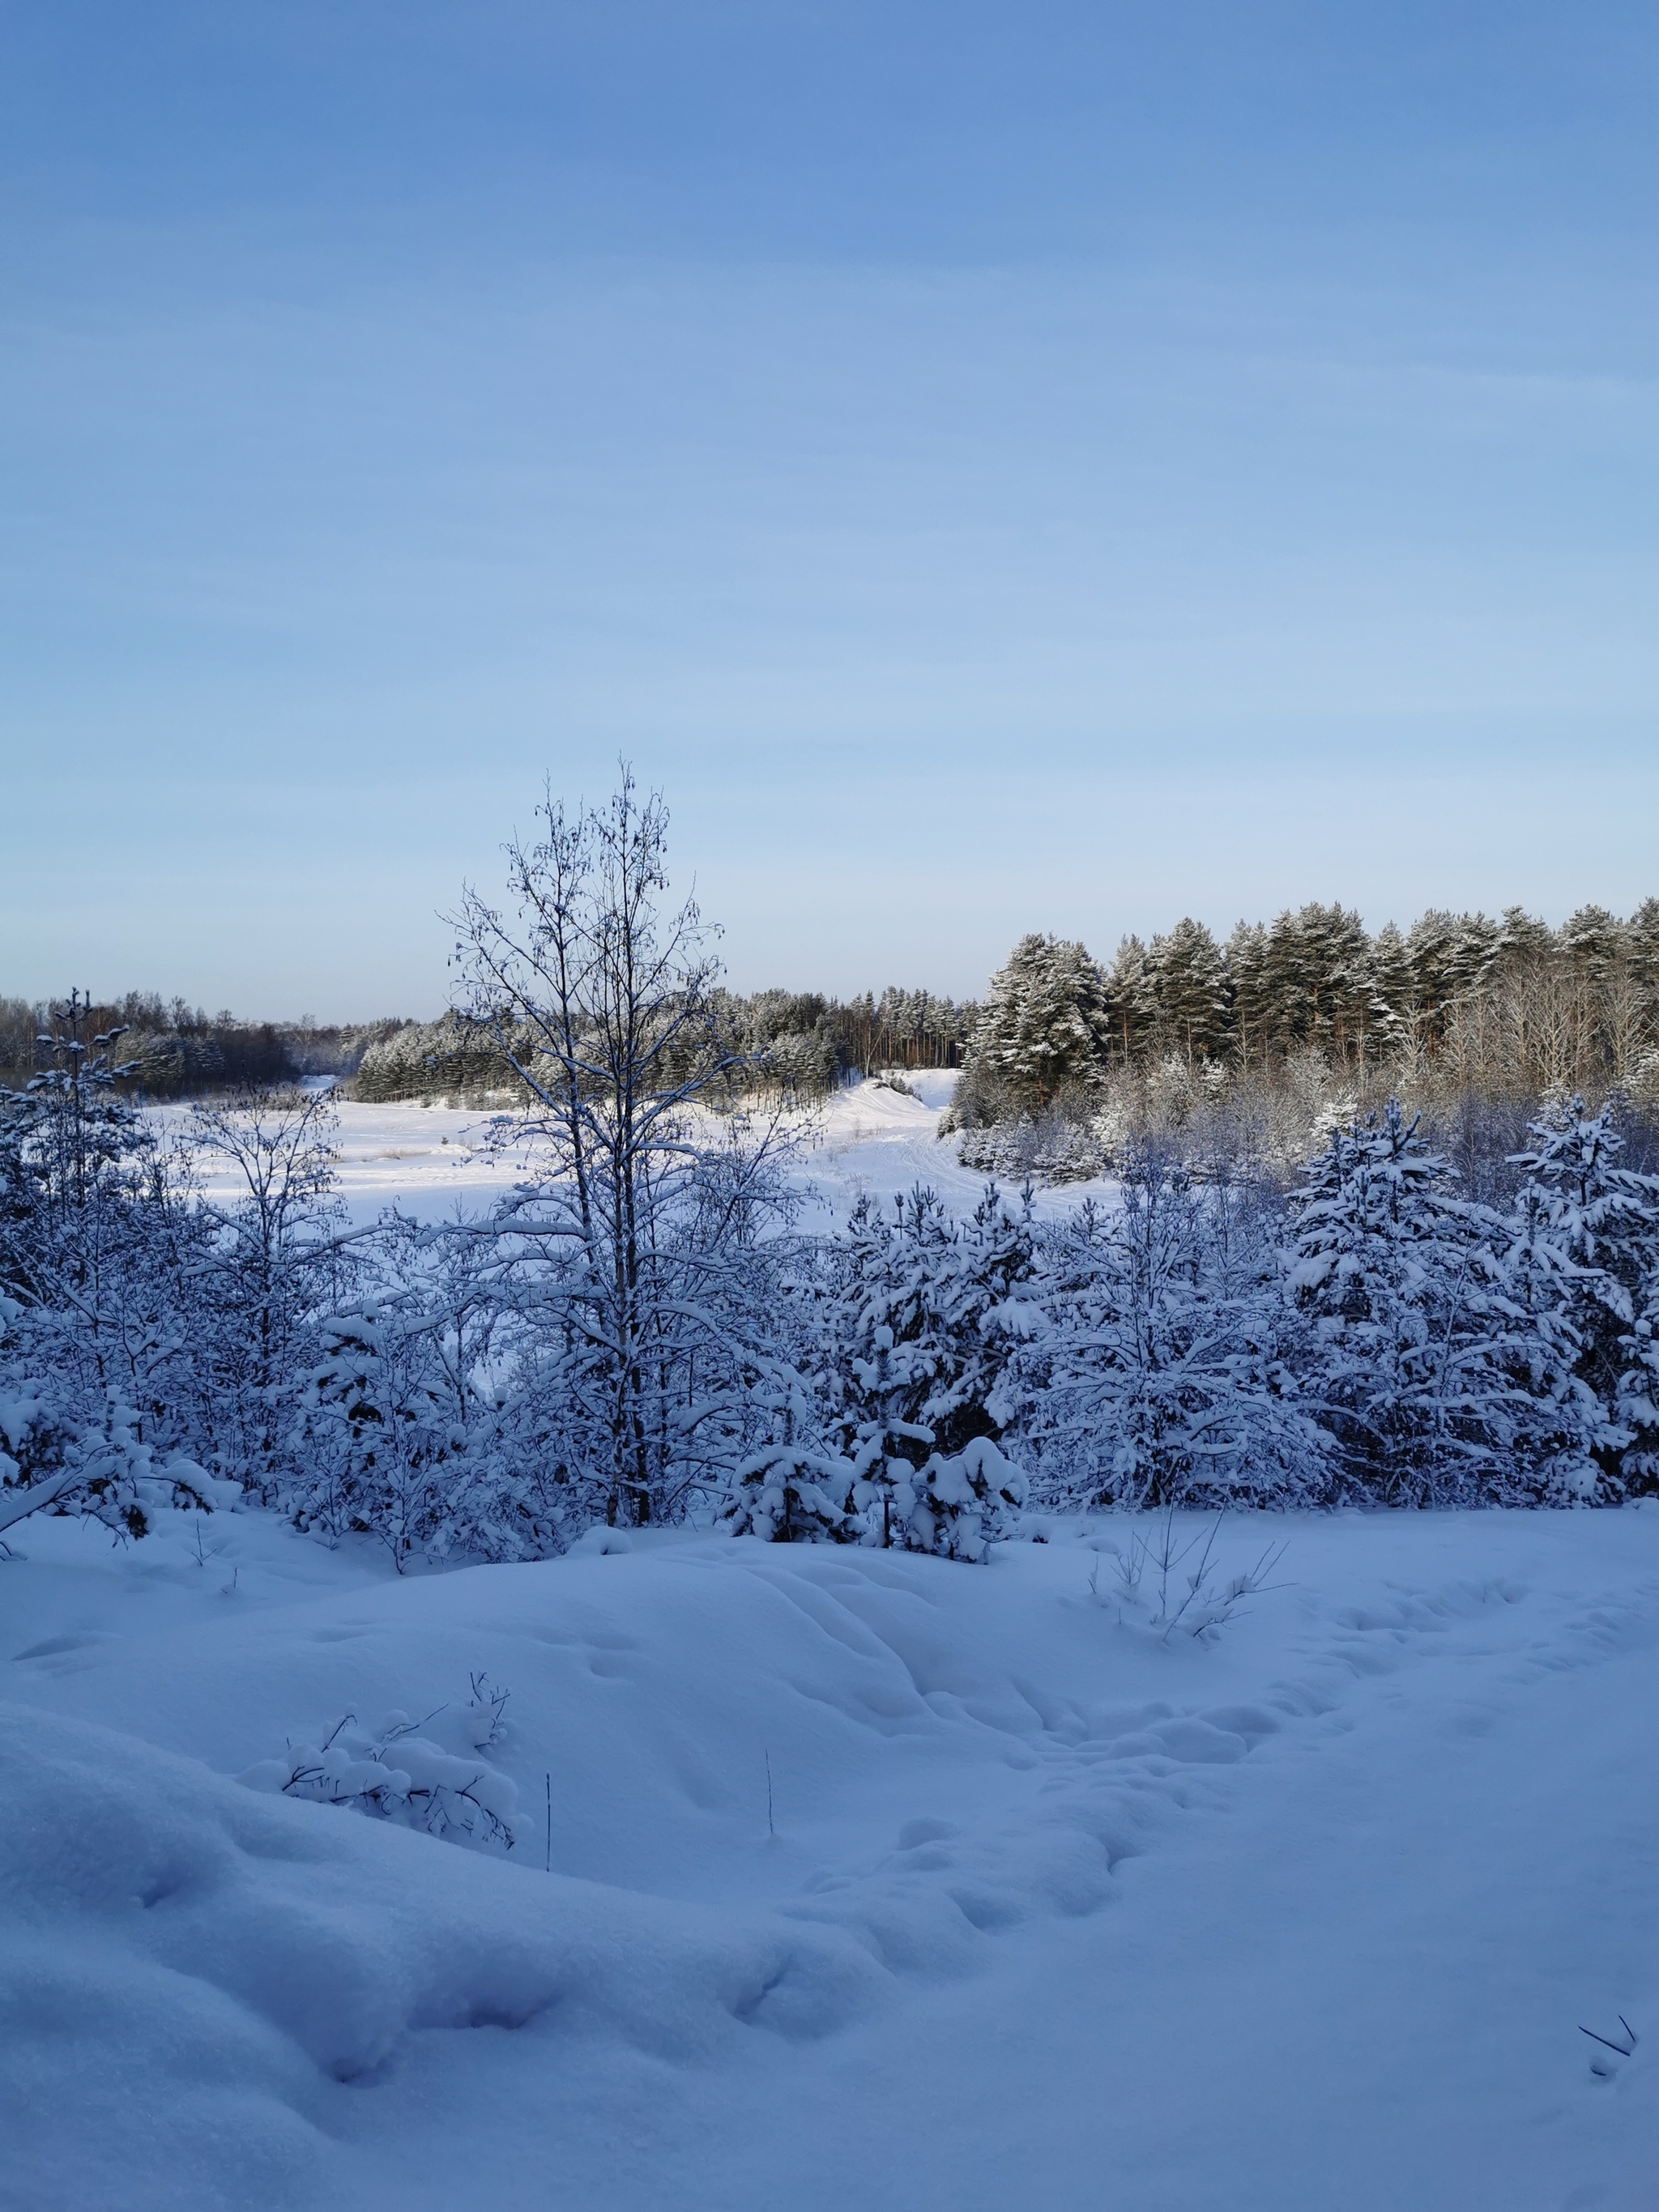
876 1879
867 1138
427 1159
870 1138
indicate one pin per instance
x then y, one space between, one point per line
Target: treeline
795 1045
1254 1047
1505 1002
171 1050
1458 1004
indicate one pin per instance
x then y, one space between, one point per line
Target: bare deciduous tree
644 1217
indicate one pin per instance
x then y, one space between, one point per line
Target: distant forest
1250 1051
176 1051
800 1042
1457 1005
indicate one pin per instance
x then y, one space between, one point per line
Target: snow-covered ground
1046 1910
427 1159
430 1158
870 1138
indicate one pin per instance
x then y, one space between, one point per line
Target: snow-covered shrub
1151 1585
405 1435
58 1454
1065 1142
423 1774
38 1466
374 1438
786 1494
96 1255
960 1505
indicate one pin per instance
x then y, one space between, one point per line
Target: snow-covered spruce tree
796 1487
93 1255
1603 1222
1557 1433
919 1338
641 1231
1166 1375
1045 1025
1418 1354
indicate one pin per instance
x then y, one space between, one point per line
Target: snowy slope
873 1140
1052 1912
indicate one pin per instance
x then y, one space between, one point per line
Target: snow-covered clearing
867 1138
1051 1911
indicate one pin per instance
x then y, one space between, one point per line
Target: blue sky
1050 466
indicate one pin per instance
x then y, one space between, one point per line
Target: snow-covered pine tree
1320 982
1247 986
1391 976
1593 941
1642 951
1189 984
1130 1003
1522 939
1451 958
1292 981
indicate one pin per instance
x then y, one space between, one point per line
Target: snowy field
1047 1910
428 1158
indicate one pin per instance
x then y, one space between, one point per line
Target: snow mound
210 1966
